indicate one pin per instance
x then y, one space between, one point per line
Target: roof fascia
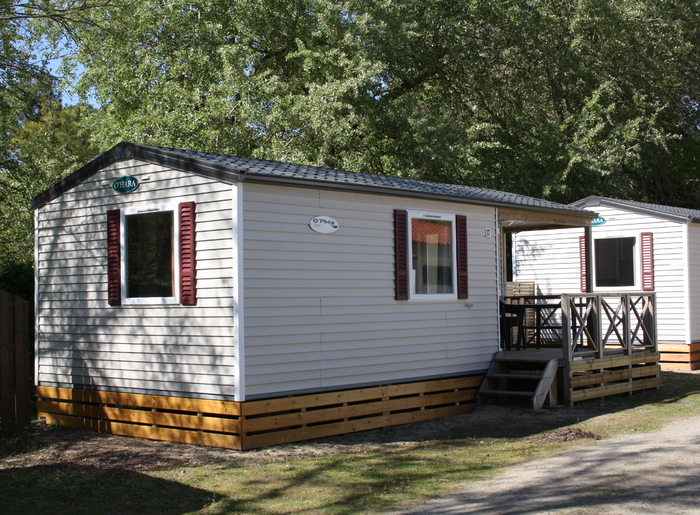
125 150
228 174
594 200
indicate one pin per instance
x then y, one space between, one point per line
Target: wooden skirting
595 378
680 356
253 424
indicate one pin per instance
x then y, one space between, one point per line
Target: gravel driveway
649 473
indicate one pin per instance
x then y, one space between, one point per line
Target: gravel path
649 473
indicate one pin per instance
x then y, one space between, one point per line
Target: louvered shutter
114 261
188 291
584 263
401 253
462 265
647 261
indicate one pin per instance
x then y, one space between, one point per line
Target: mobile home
239 302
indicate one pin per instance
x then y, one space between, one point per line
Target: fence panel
15 365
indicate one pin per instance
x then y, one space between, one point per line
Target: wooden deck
603 344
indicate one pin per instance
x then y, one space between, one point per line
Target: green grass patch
364 473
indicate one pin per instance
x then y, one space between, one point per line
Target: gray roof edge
231 173
126 150
639 208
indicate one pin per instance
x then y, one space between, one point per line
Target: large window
614 262
432 253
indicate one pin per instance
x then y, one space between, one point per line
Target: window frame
430 215
636 265
145 209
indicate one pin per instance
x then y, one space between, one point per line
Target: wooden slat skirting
596 378
253 424
680 356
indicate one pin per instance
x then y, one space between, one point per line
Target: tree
551 99
44 148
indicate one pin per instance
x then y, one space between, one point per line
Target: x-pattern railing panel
592 322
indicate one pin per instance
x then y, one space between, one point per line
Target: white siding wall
551 260
181 350
320 310
694 281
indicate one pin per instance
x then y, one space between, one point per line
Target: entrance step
535 379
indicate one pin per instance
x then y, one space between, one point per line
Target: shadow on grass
377 470
373 470
75 490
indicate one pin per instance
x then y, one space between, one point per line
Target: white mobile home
206 291
635 247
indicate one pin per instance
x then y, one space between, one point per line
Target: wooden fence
15 365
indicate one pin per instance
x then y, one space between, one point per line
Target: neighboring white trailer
635 247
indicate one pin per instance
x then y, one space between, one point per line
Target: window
431 250
151 255
614 262
432 255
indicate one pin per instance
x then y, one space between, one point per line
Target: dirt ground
635 474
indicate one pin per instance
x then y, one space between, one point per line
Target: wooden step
512 393
544 381
506 375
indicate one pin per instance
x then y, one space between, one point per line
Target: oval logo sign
125 184
323 224
598 221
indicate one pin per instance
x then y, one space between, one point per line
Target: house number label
323 224
125 184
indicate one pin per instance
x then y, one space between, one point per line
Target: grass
368 473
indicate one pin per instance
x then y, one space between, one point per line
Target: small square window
614 262
432 248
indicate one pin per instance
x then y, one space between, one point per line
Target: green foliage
44 148
552 99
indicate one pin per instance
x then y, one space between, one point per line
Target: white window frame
637 265
428 215
144 209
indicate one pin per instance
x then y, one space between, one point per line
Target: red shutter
462 265
188 291
401 253
583 261
647 261
114 260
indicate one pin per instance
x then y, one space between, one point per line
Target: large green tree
548 98
40 141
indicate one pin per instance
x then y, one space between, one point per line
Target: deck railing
597 324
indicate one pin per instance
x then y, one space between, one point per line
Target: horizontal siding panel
206 341
109 383
218 349
197 370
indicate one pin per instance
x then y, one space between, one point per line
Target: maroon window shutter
188 291
647 261
462 265
114 260
584 265
401 253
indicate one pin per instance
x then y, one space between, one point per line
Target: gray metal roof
676 214
231 170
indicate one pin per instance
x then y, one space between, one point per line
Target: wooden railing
597 324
